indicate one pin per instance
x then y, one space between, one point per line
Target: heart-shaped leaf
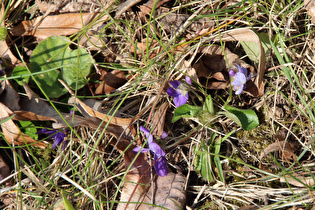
55 60
243 117
20 72
77 64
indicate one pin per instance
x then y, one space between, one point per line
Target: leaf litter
175 42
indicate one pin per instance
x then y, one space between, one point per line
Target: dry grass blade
76 185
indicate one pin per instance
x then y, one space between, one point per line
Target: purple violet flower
239 79
58 135
179 91
160 164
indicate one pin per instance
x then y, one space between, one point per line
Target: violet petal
242 70
137 149
173 92
156 149
50 133
239 79
232 73
188 80
160 165
147 134
59 138
239 90
174 84
164 135
180 100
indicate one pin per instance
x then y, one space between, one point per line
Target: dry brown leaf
167 191
211 69
142 48
9 96
139 173
5 52
158 119
255 88
32 108
310 7
92 41
249 207
147 7
110 81
305 180
123 7
54 25
12 133
62 6
286 149
4 173
124 122
30 116
4 169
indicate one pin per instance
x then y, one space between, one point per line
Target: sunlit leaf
21 72
252 49
56 60
186 111
243 117
68 205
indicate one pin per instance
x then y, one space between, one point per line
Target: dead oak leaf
285 147
211 66
298 180
5 52
141 48
53 25
9 96
167 191
310 7
139 173
12 133
158 119
33 108
4 169
147 7
110 81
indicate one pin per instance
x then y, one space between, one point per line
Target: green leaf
216 159
77 67
68 205
186 111
203 164
218 165
29 129
21 72
3 33
252 48
245 118
55 60
208 105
